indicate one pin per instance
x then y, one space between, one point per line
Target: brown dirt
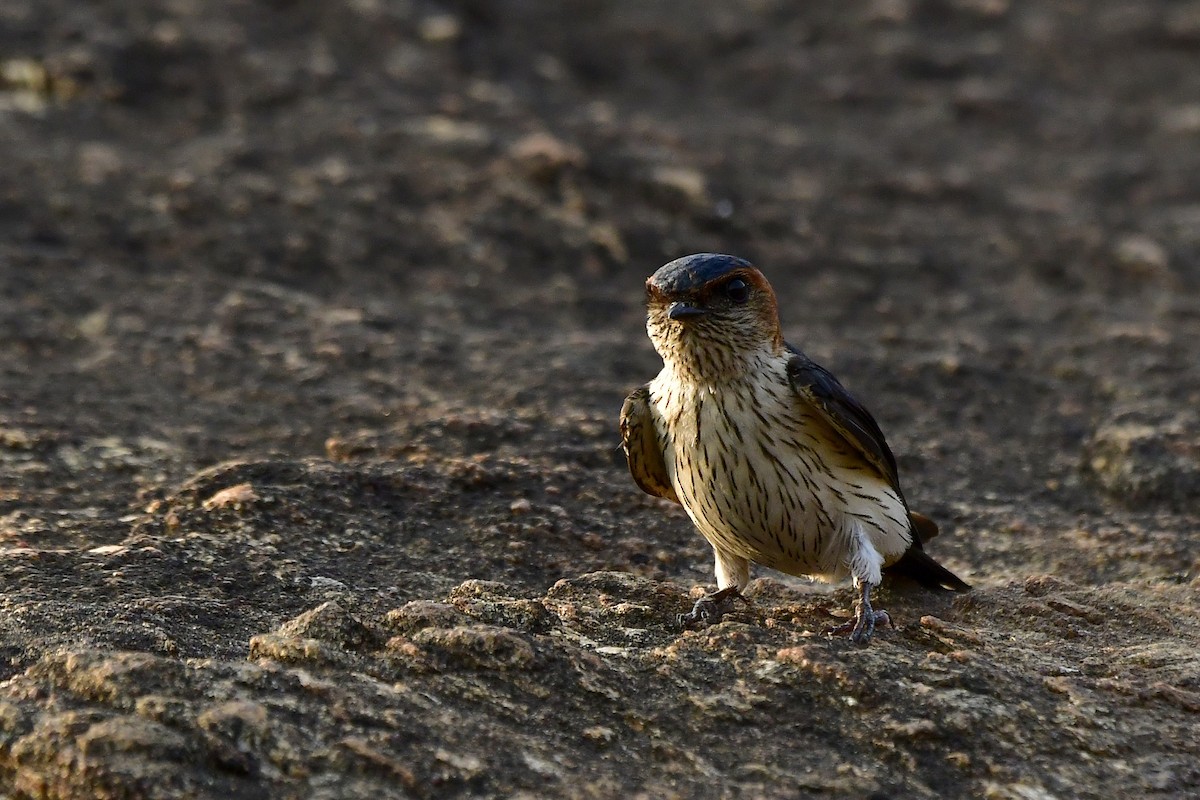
315 322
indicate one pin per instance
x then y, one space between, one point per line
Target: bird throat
705 361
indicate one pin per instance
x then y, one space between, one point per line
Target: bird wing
643 451
819 389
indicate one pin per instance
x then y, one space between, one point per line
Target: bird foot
865 618
709 609
862 627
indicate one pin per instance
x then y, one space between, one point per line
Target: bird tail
920 567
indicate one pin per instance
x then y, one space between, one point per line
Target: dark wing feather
642 449
847 416
817 386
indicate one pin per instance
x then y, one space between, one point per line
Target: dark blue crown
689 273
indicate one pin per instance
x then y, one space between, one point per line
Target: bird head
708 314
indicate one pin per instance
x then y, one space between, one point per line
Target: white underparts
731 570
766 479
864 561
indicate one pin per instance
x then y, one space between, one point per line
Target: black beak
684 311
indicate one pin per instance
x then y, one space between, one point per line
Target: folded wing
643 451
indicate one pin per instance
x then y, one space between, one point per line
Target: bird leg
865 618
709 609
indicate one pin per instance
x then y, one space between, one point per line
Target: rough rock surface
315 319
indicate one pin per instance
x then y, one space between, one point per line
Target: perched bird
770 457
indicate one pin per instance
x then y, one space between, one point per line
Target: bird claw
865 618
709 609
862 627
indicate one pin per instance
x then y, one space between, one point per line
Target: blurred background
241 227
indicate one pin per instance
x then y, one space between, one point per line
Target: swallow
772 459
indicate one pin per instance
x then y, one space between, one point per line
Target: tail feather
920 567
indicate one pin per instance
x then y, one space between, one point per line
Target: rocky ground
315 321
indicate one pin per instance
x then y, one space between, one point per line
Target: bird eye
738 290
